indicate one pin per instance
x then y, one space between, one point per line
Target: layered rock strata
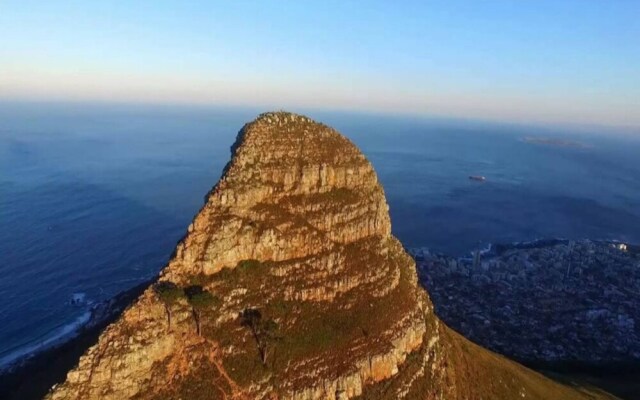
297 228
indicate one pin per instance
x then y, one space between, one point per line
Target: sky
569 61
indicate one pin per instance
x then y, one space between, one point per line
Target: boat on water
478 178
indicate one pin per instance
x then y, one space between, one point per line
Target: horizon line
626 129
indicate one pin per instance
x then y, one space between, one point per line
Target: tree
264 330
200 300
169 293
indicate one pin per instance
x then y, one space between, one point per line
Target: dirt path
214 358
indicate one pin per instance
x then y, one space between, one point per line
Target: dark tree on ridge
264 330
200 301
169 293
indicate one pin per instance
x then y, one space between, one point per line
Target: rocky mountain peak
293 188
289 284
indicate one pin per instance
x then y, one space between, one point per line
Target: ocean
94 197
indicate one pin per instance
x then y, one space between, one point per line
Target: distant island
554 142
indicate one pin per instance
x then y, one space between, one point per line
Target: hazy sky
536 60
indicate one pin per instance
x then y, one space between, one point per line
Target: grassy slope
481 374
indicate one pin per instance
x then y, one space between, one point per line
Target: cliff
294 288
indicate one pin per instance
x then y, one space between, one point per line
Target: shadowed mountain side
290 285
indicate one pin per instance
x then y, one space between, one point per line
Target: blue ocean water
93 198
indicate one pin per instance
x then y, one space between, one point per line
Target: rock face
297 232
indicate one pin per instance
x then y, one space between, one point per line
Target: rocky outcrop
296 231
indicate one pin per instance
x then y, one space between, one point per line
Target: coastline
56 338
31 376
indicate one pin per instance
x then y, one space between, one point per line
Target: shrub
248 265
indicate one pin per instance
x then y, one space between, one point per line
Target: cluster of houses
550 301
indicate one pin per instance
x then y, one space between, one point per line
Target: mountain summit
290 285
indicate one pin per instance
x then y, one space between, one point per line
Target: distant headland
554 142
